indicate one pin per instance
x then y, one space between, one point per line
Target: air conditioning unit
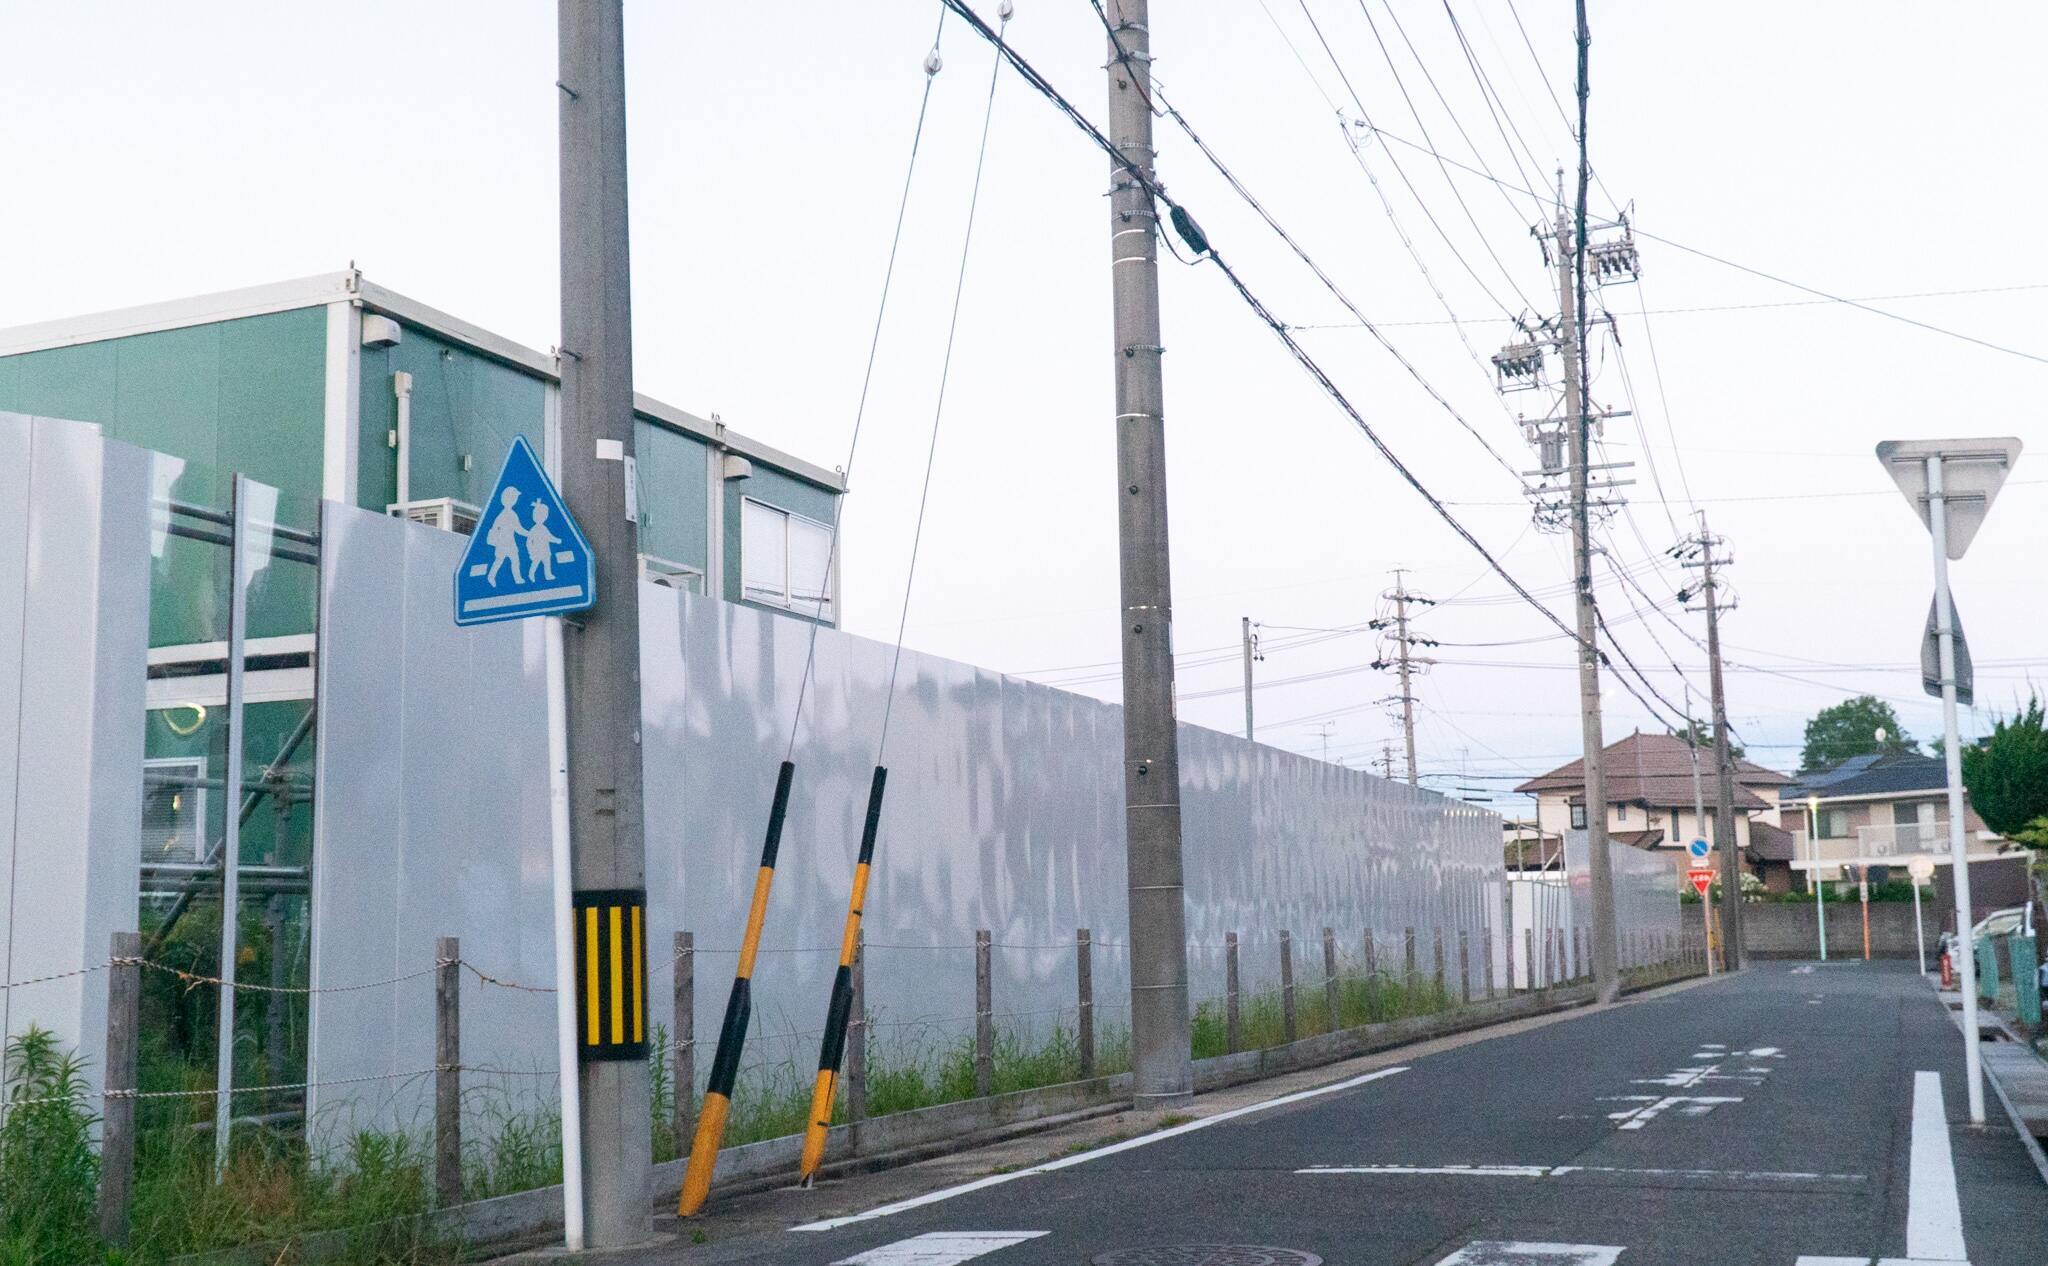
445 513
671 575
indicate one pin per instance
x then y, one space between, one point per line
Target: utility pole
1161 1064
1405 663
601 649
1251 652
1563 440
1724 764
1572 279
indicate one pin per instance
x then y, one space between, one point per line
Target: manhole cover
1208 1255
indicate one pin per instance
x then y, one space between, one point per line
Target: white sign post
1950 484
1921 869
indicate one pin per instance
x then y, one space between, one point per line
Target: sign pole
1921 869
1702 879
1944 623
565 950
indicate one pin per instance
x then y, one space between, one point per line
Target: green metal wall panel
773 487
465 410
673 522
273 400
247 395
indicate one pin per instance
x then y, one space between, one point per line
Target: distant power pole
1405 662
1705 559
602 646
1161 1062
1251 653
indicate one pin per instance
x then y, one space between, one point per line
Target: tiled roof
1656 769
1870 775
1770 843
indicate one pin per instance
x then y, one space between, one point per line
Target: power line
1365 116
1186 225
1328 284
1717 307
1741 267
1420 126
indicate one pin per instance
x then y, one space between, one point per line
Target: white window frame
785 600
195 766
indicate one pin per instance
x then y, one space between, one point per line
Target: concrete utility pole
1600 865
1161 1063
1251 652
1404 666
1724 763
602 649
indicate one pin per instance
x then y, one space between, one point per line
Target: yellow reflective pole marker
840 1010
732 1034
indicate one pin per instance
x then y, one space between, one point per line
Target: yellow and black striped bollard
732 1034
840 1010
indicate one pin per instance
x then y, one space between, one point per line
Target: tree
2007 775
1700 734
1850 729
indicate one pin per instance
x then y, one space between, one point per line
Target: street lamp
1813 846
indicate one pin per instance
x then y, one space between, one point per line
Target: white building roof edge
350 287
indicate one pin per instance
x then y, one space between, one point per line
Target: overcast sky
1862 148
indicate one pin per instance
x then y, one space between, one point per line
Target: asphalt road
1771 1117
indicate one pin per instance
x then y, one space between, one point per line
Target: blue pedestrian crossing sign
1698 848
527 557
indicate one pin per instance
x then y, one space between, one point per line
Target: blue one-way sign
528 557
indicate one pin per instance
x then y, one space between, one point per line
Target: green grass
375 1189
1361 999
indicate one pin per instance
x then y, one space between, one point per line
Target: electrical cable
939 405
931 71
1393 219
1420 126
1366 117
1185 223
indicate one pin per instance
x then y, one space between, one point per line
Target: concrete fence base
907 1137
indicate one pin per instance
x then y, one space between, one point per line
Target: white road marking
939 1248
1655 1106
1562 1171
994 1180
1810 1259
1525 1253
1934 1218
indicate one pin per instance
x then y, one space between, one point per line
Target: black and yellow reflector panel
611 974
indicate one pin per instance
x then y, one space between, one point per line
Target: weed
48 1173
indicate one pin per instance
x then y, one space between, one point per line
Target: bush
49 1175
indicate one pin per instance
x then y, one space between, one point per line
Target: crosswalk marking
1531 1253
939 1248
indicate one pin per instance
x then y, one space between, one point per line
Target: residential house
1651 792
1874 812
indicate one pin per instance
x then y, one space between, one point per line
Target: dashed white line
939 1248
1530 1253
